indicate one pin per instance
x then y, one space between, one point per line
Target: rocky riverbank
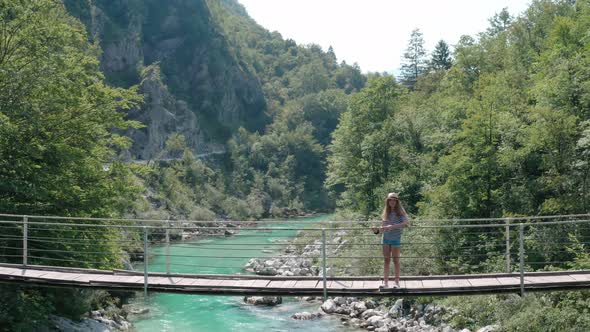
109 320
295 261
403 316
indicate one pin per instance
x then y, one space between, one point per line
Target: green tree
414 60
441 57
360 157
56 116
57 146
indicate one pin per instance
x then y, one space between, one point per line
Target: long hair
399 209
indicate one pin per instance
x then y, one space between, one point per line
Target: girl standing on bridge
394 219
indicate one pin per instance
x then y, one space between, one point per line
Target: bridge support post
324 263
145 260
508 268
168 249
521 257
25 240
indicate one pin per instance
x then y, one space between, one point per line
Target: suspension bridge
306 259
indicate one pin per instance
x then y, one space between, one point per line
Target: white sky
375 33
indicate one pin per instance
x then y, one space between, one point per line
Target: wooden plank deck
294 286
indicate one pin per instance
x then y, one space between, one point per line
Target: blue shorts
392 242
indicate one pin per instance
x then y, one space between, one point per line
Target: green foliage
556 311
441 56
56 116
57 146
501 132
21 309
415 62
361 159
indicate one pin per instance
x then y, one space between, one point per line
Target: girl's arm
395 226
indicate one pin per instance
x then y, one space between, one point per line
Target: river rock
489 328
370 304
306 315
329 306
340 300
359 306
369 313
376 321
397 309
86 325
263 300
134 310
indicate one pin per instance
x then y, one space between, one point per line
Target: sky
375 33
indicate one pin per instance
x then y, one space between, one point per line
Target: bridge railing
296 248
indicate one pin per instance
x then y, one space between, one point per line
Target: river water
179 312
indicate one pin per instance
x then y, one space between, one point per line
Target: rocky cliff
174 50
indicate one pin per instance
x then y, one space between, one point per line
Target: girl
394 219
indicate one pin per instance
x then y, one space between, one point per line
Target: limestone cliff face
193 83
162 114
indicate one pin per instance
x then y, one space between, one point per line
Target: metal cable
65 260
74 241
14 248
229 257
193 265
74 252
509 219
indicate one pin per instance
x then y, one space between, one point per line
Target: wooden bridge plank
414 284
580 277
337 284
226 283
462 283
154 280
289 283
82 277
456 285
548 279
176 280
434 283
260 283
505 281
184 282
245 283
306 283
31 273
58 276
371 284
451 283
9 271
201 282
484 282
110 279
275 284
358 284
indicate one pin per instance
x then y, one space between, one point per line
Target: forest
492 125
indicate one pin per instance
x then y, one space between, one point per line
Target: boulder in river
263 300
306 315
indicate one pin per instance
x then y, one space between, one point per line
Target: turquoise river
179 312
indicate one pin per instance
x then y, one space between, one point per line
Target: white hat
392 195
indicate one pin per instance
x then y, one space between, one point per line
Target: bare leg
386 260
395 254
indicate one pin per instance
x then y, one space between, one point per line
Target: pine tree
414 60
441 57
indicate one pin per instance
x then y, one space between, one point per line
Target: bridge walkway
290 286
